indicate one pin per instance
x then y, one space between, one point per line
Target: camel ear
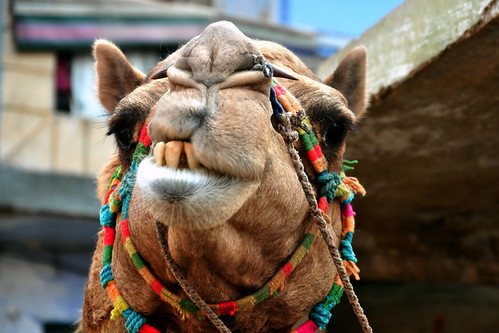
350 79
116 77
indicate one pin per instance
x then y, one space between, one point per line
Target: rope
193 295
290 135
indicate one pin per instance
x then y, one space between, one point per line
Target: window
63 82
76 82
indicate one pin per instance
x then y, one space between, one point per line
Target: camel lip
194 199
176 185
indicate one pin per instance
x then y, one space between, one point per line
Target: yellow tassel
184 315
120 305
171 298
130 247
301 131
307 123
114 314
112 207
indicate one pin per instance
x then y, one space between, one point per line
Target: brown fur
225 257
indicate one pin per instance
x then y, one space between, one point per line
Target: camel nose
181 110
177 117
221 50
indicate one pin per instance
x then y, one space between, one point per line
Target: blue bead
320 316
346 248
328 183
107 217
106 275
134 320
349 199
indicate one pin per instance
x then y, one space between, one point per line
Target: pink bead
347 210
308 327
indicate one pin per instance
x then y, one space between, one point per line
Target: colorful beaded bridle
330 186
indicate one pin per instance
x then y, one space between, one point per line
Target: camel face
219 165
210 124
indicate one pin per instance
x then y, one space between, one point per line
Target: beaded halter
330 185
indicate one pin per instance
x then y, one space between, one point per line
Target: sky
346 17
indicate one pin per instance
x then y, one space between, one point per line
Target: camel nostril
178 116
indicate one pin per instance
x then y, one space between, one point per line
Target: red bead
109 234
144 136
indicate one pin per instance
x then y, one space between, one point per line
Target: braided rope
191 292
290 135
288 112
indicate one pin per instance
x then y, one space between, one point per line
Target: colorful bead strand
186 307
134 321
330 186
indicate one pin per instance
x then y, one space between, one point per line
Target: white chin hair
194 199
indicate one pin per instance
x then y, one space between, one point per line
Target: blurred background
427 232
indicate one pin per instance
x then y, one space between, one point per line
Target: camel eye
334 134
123 135
124 138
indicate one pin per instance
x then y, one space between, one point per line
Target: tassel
352 269
353 184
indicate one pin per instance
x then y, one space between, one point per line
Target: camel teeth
173 150
159 153
192 161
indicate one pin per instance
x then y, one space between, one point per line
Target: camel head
219 180
216 152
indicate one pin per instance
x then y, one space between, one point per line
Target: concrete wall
428 145
412 35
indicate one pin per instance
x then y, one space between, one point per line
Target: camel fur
236 218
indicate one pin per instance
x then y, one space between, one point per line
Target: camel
215 181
